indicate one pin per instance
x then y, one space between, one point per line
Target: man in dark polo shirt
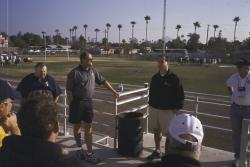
166 97
39 80
80 90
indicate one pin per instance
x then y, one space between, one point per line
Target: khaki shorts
160 119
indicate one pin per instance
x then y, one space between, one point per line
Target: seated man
37 119
184 143
8 123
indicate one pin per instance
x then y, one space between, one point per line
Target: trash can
130 134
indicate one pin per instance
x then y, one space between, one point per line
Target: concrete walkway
210 157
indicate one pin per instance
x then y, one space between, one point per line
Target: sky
47 15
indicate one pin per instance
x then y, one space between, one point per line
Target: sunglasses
89 59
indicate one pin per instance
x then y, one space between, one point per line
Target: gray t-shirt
81 82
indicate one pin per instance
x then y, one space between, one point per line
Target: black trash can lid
130 115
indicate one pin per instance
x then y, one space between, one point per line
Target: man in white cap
239 88
183 145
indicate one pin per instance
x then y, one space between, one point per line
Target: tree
70 34
119 26
18 42
196 25
193 42
96 32
44 38
133 25
108 27
178 27
132 39
75 28
176 44
236 19
4 34
246 44
147 18
85 26
215 28
219 46
82 40
57 31
107 41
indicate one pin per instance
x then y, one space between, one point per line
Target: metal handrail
194 97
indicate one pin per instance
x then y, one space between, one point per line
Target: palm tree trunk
195 29
146 32
214 33
119 41
235 31
85 34
132 41
107 42
177 35
75 34
96 37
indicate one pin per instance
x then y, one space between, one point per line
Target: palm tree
108 26
43 33
75 28
196 25
220 34
132 40
236 19
133 25
147 18
70 36
85 26
119 26
107 41
178 27
96 31
215 27
57 34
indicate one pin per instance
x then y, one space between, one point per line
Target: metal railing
142 93
118 103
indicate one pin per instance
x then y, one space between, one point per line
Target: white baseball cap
186 124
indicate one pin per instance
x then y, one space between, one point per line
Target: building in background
3 42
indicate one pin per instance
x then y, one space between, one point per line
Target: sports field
205 79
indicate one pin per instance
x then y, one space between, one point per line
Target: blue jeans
237 115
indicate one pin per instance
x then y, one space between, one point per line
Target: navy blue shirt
166 92
31 83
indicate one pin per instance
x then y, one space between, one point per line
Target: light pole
67 48
164 28
44 38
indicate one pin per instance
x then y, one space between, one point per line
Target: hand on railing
116 94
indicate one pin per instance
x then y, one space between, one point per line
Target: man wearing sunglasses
80 88
239 88
8 122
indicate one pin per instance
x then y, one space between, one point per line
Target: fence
137 93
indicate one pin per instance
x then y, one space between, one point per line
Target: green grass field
205 79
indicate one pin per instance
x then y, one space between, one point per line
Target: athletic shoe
155 155
91 158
